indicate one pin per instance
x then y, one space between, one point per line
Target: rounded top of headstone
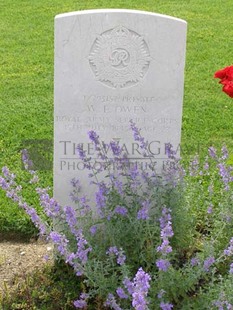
117 11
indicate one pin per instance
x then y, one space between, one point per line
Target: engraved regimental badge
119 57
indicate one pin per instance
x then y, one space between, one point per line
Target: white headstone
112 66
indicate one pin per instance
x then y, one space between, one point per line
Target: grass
26 102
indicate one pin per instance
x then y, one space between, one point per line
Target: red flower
226 79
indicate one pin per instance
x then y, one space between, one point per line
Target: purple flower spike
138 137
212 152
118 253
164 248
81 153
121 293
100 197
121 210
93 230
128 285
229 250
210 209
60 241
166 306
25 159
225 173
207 263
231 268
163 264
166 232
225 154
71 218
93 137
111 302
141 287
116 149
143 213
3 184
194 261
82 248
50 205
81 303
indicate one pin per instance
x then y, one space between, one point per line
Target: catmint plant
142 232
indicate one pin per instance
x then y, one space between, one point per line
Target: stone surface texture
112 66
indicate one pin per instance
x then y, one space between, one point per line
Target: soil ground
18 258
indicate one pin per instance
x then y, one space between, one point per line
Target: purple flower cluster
207 263
163 264
81 153
165 247
229 250
121 293
111 302
76 260
166 232
101 198
194 261
74 195
166 224
212 152
138 289
226 174
225 153
223 304
115 147
8 181
169 151
166 306
82 302
118 185
206 166
225 171
128 285
133 176
68 213
83 204
82 248
28 165
71 219
25 159
118 253
143 213
100 148
84 207
210 209
121 211
60 241
231 268
94 137
194 166
51 207
93 230
138 137
4 184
